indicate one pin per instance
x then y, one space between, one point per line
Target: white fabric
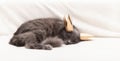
99 18
100 49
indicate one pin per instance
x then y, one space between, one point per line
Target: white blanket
100 49
99 18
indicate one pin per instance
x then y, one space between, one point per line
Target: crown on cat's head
68 23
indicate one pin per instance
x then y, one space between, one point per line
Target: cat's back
45 21
42 23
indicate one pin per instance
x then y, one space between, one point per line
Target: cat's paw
47 47
33 46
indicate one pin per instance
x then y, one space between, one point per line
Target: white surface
100 18
96 17
100 49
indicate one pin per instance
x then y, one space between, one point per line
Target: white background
96 17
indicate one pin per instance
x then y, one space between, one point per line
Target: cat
44 33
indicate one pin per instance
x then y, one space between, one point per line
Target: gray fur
44 33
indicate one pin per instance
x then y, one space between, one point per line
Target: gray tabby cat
44 33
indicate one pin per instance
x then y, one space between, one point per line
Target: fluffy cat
44 33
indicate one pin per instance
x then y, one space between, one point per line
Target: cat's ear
68 23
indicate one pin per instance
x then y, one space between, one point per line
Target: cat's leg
22 39
46 42
47 47
51 42
33 45
17 41
40 35
27 39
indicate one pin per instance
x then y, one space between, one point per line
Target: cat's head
70 37
70 34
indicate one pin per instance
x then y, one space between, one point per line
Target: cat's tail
52 42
